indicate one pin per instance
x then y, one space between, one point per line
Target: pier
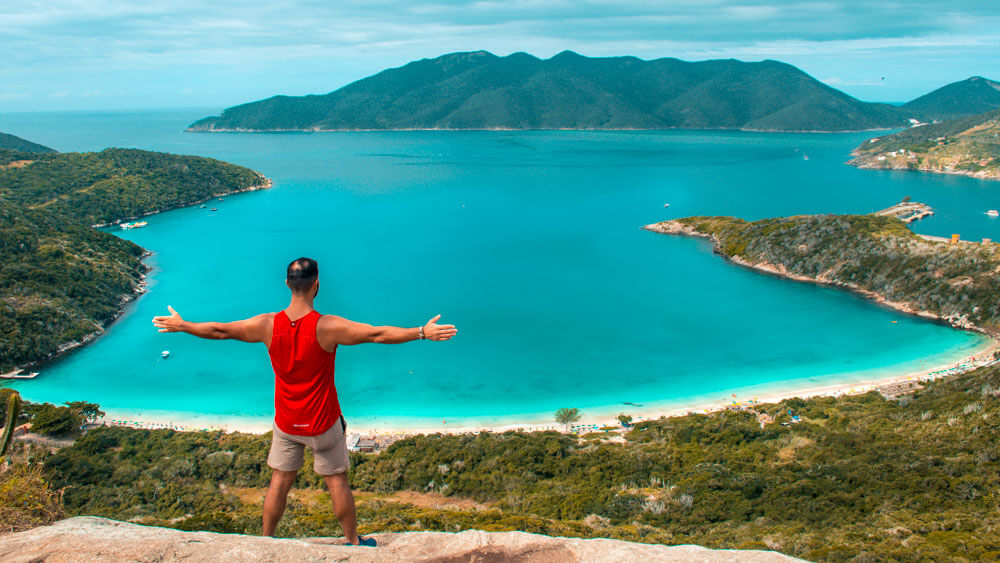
907 211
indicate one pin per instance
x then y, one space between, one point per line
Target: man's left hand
173 323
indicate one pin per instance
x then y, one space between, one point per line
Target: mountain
479 90
958 99
11 142
969 146
62 281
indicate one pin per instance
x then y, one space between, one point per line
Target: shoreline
673 227
138 291
599 416
620 129
864 162
268 184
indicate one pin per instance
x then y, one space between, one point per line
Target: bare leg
277 495
343 504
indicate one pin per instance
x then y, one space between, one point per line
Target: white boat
17 374
993 213
805 157
666 205
165 354
136 225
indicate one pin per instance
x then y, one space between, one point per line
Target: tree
566 416
89 411
51 420
625 419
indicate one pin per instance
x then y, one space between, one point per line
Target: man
302 345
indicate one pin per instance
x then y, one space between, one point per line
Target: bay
529 242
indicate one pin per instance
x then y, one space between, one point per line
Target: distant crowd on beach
376 441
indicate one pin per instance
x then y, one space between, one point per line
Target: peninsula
876 256
968 146
61 280
479 90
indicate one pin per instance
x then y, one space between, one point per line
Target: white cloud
107 44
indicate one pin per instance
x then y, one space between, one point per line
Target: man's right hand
434 331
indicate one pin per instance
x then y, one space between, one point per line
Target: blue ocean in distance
529 242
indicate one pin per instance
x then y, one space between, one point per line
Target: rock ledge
87 538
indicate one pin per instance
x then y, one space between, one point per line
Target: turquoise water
529 242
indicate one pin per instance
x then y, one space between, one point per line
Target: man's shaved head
302 272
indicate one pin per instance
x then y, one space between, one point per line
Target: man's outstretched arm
253 329
335 330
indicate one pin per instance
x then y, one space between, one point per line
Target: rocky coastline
779 270
872 162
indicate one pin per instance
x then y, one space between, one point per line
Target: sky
123 54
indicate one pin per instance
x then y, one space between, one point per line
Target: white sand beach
590 421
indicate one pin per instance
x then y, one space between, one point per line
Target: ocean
529 242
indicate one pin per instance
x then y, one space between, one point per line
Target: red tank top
305 399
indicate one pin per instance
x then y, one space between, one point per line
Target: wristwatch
422 333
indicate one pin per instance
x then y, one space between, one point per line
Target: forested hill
968 146
118 184
479 90
61 281
873 255
12 142
958 99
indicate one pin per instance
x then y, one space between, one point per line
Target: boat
203 206
165 354
135 225
16 374
805 157
666 205
993 213
213 209
220 199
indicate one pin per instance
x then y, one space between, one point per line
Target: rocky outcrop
86 538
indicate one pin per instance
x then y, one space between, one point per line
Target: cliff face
97 539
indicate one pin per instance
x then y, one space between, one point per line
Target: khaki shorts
329 450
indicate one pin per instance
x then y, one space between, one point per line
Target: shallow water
529 242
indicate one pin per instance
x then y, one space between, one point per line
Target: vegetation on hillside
958 99
61 280
14 143
479 90
968 145
118 184
959 282
909 479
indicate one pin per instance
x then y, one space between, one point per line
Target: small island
62 281
875 256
